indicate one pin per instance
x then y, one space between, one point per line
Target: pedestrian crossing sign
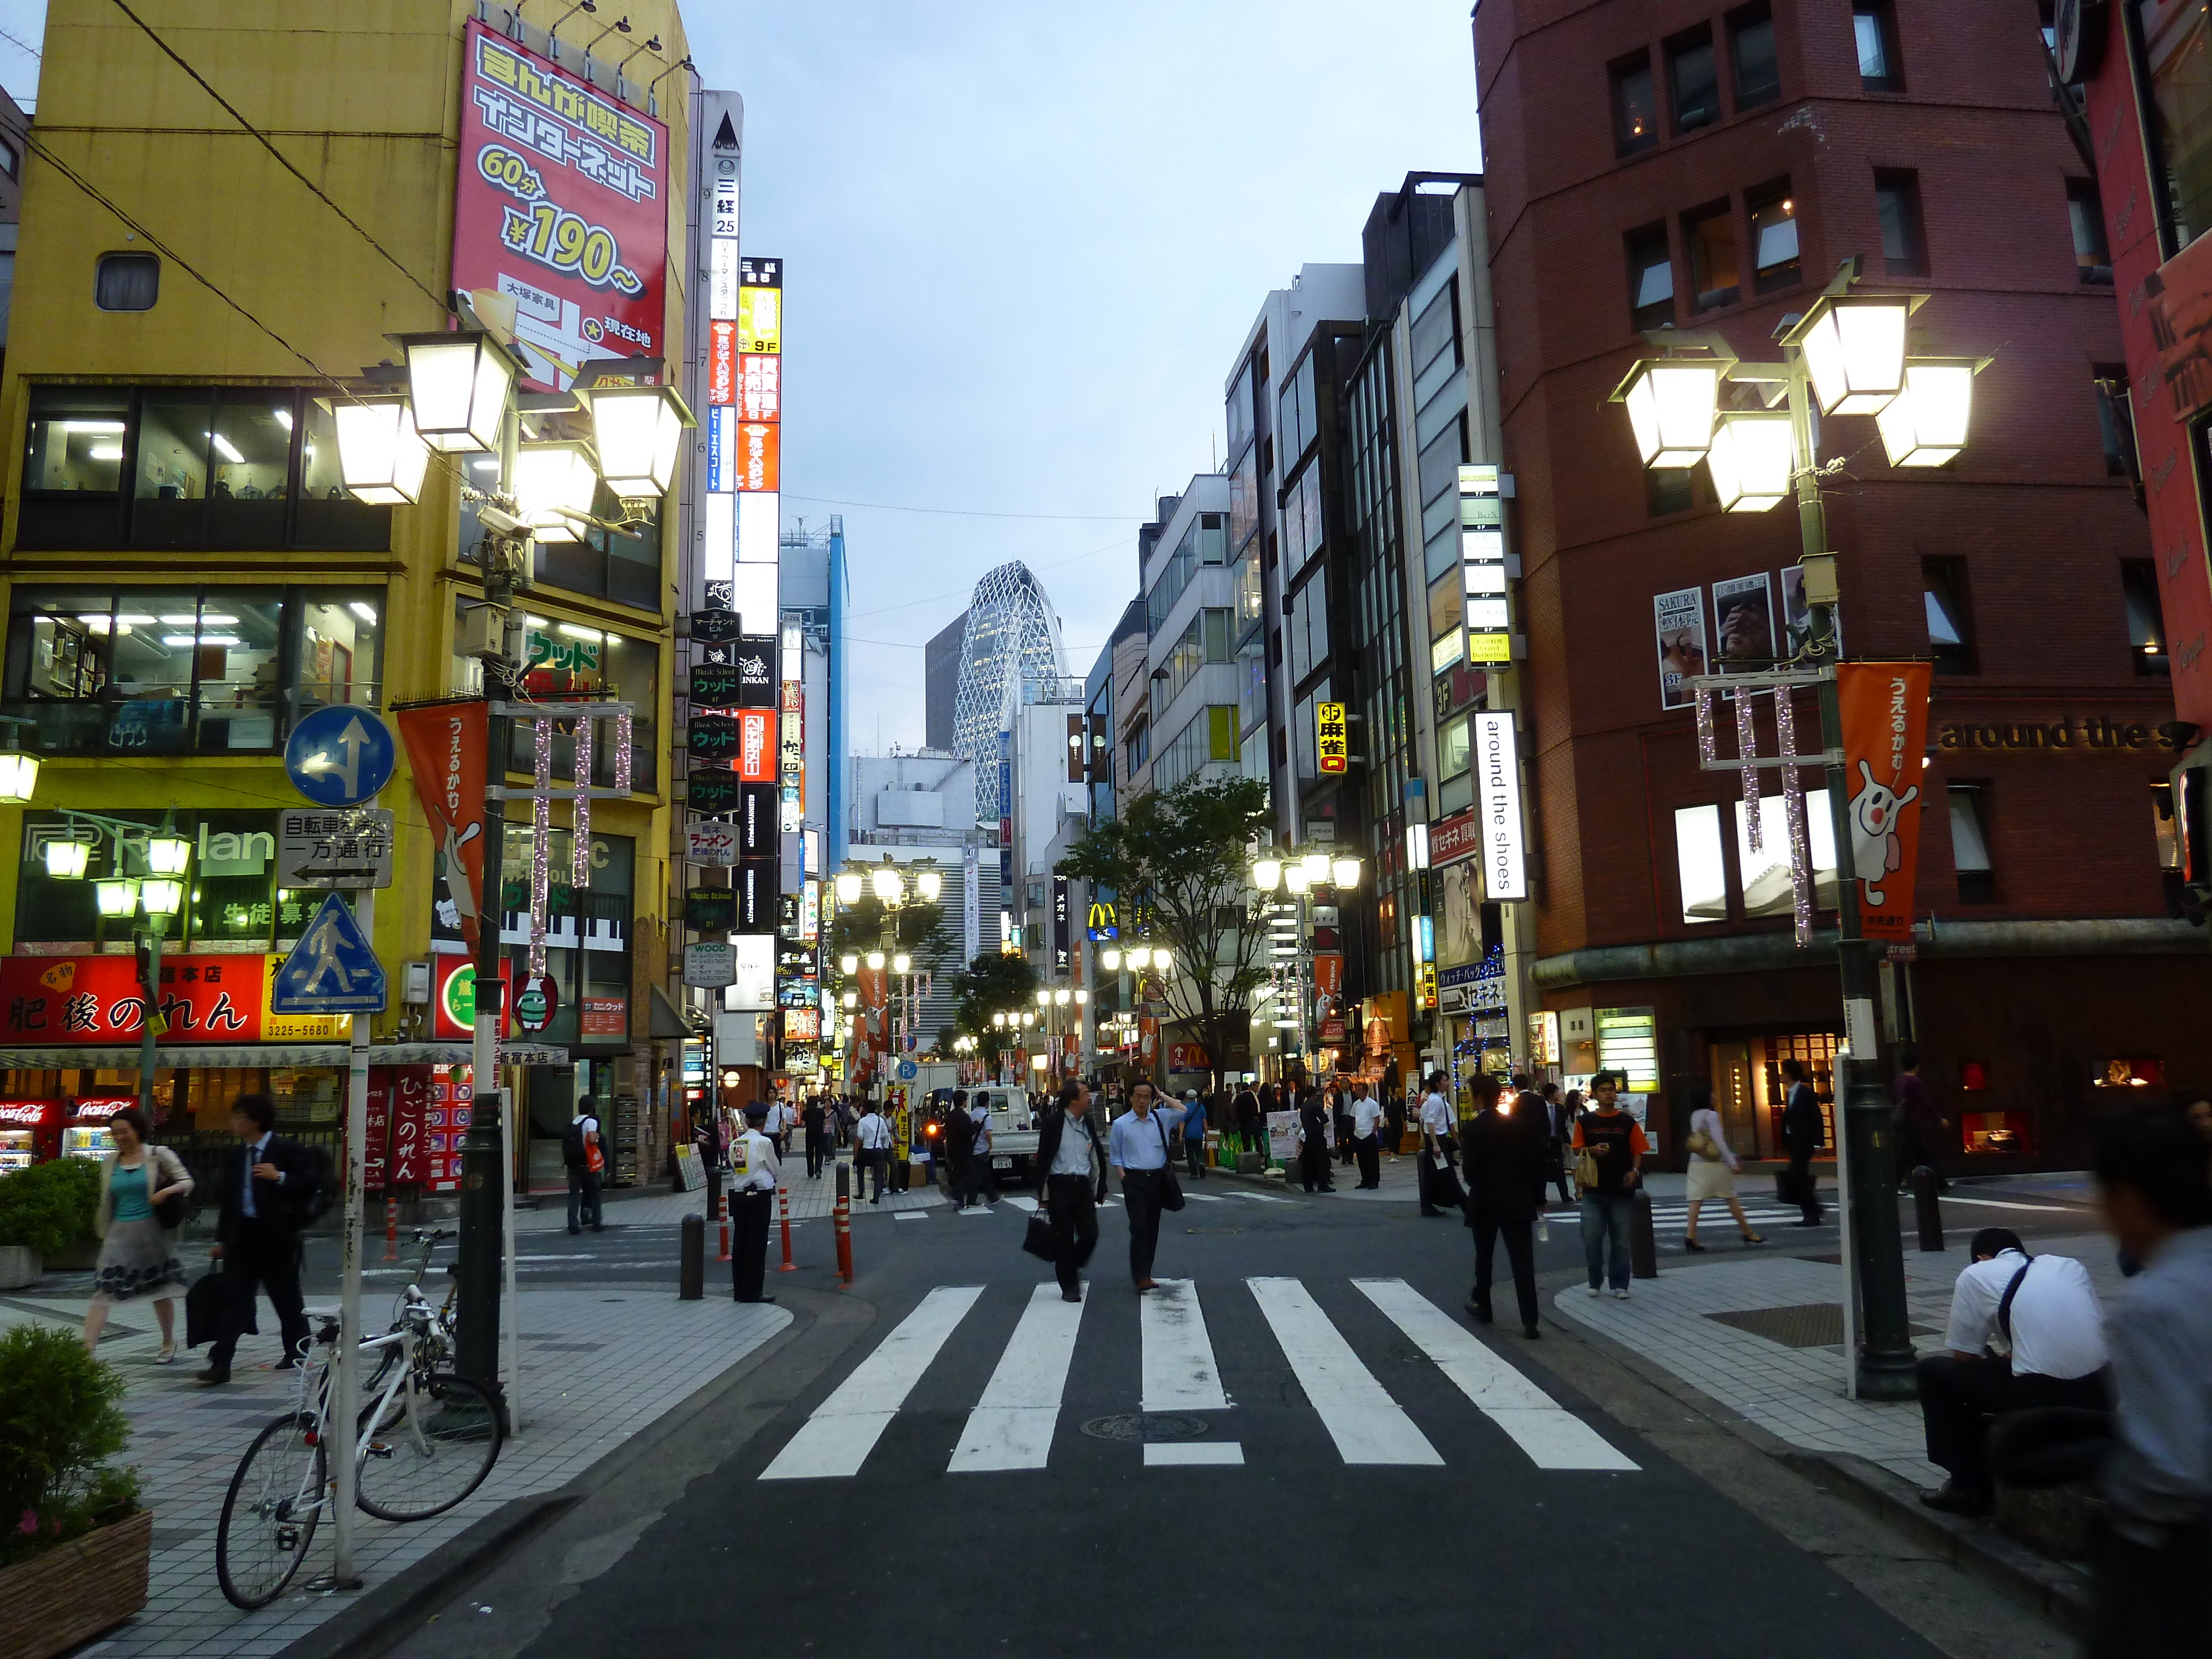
333 969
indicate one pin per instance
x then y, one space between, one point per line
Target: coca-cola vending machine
30 1132
85 1134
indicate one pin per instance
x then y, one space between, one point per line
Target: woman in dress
137 1255
1712 1169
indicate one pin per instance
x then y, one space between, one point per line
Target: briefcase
204 1310
1037 1238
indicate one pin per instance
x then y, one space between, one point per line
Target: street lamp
639 430
1266 874
1110 959
554 486
167 855
1670 407
1137 956
849 884
1853 346
1061 998
1345 871
928 884
458 385
1295 880
116 896
66 860
875 962
888 888
1750 461
1925 425
902 963
850 961
381 456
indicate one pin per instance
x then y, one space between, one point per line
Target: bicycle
439 1341
424 1442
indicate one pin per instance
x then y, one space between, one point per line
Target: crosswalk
1713 1218
1012 1424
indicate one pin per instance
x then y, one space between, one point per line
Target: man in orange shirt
1616 1140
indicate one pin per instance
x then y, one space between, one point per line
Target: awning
664 1020
184 1058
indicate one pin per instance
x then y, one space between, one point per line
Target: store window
1763 876
1650 278
1875 29
1634 125
622 565
1709 234
1897 207
156 671
2116 424
187 469
1692 80
1700 866
1757 68
1454 748
1669 489
577 662
2177 41
1969 844
1773 236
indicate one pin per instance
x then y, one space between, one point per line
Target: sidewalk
583 1392
811 1200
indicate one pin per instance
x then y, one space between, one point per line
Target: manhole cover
1150 1426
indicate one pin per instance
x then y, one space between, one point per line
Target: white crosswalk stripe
1366 1423
844 1428
1011 1427
1180 1374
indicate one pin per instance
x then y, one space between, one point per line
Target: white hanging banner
1497 799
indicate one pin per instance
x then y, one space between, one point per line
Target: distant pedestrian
1339 1117
1313 1143
1138 1150
1559 1120
2198 1110
755 1171
1713 1166
815 1120
872 1146
1505 1190
271 1186
1440 1187
1616 1144
1192 1131
1802 1135
1071 1185
1394 1111
2024 1333
1245 1109
2157 1486
1366 1136
137 1252
1922 1130
583 1152
976 1119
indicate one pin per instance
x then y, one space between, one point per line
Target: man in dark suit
1504 1162
1070 1183
265 1185
1803 1132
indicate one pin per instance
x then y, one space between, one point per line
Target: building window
1650 278
1876 31
1137 749
1969 844
126 282
2146 622
2116 424
2093 260
1700 865
1634 127
2174 48
1897 205
1774 237
1452 748
1669 489
11 159
2168 834
1752 58
1709 234
1950 623
1692 80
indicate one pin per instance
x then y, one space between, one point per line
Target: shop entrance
1748 1088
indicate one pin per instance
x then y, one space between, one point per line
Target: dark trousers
1313 1166
973 1181
1913 1150
1194 1154
259 1257
1960 1397
1397 1124
2148 1600
1556 1170
1370 1154
866 1160
1140 1198
1519 1254
817 1152
1804 1190
584 1199
749 1210
1073 1208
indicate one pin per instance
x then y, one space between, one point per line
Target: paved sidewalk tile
809 1199
1796 1394
582 1393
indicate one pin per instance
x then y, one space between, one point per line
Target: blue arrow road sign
331 970
340 756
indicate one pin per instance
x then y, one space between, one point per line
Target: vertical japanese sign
560 211
1331 742
1885 717
755 470
723 371
446 753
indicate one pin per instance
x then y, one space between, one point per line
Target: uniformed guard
755 1174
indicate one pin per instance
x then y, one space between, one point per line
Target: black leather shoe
1477 1310
1531 1333
1954 1499
211 1376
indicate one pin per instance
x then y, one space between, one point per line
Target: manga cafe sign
57 1001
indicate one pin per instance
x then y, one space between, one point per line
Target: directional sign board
344 847
709 841
339 756
331 970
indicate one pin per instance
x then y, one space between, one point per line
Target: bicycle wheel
268 1515
419 1460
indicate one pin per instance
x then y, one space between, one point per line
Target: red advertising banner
1885 717
446 752
757 456
756 752
1328 973
454 1000
722 362
604 1016
759 385
1450 840
58 1000
560 211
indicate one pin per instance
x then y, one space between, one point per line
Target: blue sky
1023 242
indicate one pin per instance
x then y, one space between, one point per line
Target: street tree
994 983
1179 861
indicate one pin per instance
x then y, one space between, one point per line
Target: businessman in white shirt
1137 1147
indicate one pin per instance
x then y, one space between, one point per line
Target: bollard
692 1259
844 1222
1927 1208
390 1225
1642 1243
783 1213
723 1216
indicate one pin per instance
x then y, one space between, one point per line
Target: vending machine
30 1132
86 1134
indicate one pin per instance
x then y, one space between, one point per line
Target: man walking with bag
1138 1153
1070 1183
271 1186
1366 1132
871 1144
1440 1187
583 1150
1609 1177
755 1171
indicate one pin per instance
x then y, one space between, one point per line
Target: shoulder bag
1170 1188
172 1212
1586 1173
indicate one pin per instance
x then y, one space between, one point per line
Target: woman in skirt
137 1255
1712 1169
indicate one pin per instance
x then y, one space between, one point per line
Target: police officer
755 1173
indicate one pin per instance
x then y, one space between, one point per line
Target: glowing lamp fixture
1294 878
1265 873
1038 1062
638 431
115 897
381 456
66 859
167 855
458 385
1138 955
553 485
928 884
1316 868
849 887
1854 346
1751 460
1082 997
849 962
1162 961
902 963
161 898
876 961
1110 959
998 1022
1346 871
1925 425
1044 998
19 777
888 887
850 999
1061 998
1670 407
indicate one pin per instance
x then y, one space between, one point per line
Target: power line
30 52
261 138
961 512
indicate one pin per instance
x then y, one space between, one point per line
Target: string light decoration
580 840
1746 745
622 751
1708 751
541 835
1793 813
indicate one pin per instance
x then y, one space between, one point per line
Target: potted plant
74 1546
45 1215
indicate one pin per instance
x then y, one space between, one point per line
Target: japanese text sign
1885 719
1330 742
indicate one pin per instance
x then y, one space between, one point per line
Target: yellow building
185 579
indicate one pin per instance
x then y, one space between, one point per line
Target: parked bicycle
438 1342
425 1440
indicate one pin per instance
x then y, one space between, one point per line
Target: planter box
75 1591
19 1265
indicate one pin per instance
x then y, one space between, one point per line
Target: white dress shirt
1366 1113
2058 1326
1078 1141
872 1132
762 1171
981 1117
1436 1116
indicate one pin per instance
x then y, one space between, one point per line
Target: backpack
315 1196
573 1155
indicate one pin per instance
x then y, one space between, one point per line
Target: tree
857 928
1180 859
994 983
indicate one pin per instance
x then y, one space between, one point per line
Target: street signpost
343 846
340 756
333 969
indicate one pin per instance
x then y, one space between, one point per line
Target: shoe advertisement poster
1885 718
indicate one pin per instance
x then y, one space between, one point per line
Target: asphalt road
1374 1468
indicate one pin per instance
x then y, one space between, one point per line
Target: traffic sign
343 846
339 756
907 1071
331 970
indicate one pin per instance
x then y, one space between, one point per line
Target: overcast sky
1023 243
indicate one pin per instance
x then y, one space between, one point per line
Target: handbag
1170 1188
1036 1237
1701 1145
172 1212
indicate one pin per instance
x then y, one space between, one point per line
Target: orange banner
446 752
1885 718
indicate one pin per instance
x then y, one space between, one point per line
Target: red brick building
1683 163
